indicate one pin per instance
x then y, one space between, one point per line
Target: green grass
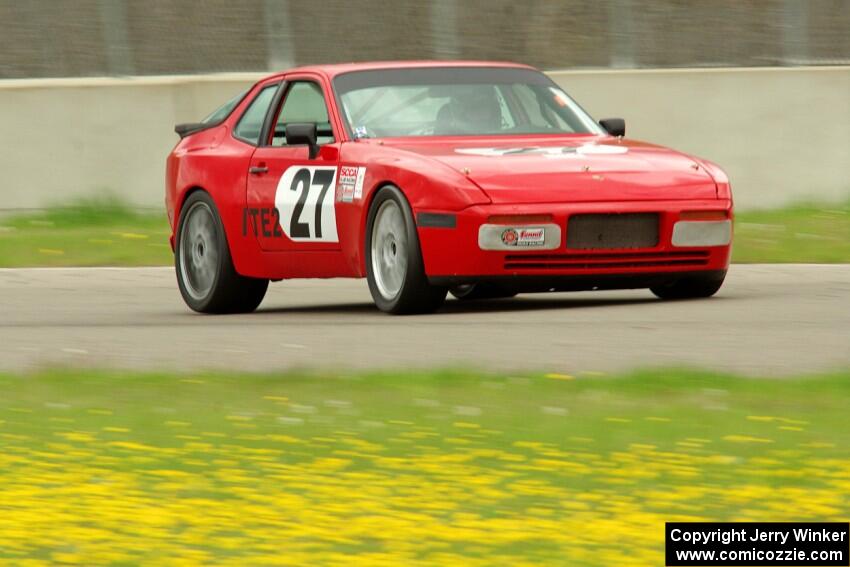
94 232
804 233
105 232
442 468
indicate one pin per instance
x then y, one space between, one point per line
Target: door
290 196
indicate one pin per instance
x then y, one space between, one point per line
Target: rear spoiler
184 130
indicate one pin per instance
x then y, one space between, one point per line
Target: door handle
256 170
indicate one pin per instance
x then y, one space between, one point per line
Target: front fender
427 184
720 177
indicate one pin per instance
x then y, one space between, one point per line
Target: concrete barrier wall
782 134
66 138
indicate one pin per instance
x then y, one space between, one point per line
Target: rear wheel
475 291
690 287
205 274
394 267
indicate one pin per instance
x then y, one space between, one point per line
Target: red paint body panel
457 175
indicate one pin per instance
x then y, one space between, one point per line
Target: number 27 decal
305 198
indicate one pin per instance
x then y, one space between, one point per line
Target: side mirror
303 133
614 126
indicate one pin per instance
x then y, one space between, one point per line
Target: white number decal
305 199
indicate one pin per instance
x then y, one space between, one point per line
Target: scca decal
306 203
264 221
350 185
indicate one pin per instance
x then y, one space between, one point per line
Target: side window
303 103
249 126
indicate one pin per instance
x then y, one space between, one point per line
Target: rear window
251 123
225 109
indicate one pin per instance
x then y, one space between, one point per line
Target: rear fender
226 187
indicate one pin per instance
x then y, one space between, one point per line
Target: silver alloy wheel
198 251
389 249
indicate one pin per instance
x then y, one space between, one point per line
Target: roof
333 70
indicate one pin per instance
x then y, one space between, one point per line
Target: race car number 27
305 199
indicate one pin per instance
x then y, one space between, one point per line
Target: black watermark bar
757 543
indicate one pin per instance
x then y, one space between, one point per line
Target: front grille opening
612 231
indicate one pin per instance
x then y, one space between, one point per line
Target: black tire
484 290
691 287
414 293
223 290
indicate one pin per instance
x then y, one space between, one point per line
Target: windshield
457 101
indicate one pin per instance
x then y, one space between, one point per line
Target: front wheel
690 287
206 277
394 267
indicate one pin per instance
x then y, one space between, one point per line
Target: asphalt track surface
767 320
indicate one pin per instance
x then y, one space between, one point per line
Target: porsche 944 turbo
480 179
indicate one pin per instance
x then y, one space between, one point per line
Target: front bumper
453 255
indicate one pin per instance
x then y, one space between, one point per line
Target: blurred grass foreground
451 468
107 232
101 231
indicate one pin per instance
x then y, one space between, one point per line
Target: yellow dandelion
131 235
746 439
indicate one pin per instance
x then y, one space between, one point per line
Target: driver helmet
477 109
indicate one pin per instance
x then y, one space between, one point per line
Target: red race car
482 179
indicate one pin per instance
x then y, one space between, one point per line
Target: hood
568 168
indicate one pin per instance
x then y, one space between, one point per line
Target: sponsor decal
350 185
509 237
601 149
524 237
358 185
531 236
547 151
345 186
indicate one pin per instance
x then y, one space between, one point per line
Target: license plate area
612 231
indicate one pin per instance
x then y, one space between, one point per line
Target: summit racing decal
350 186
524 237
547 151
